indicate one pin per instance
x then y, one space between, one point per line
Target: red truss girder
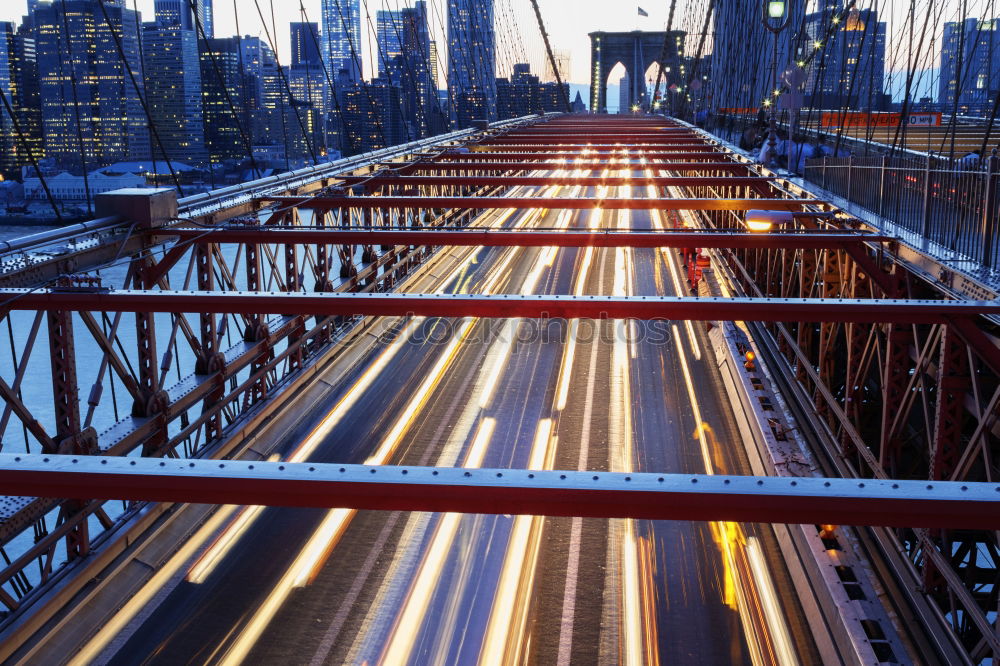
505 238
503 306
543 181
545 203
506 491
549 165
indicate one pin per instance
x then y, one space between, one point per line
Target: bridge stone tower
636 51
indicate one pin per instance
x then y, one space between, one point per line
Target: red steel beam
593 165
585 140
627 139
508 491
542 181
561 151
584 131
502 306
522 156
537 203
506 238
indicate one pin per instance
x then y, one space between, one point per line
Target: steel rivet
249 466
342 469
434 473
406 471
531 476
628 478
372 471
826 483
930 487
760 483
694 480
596 478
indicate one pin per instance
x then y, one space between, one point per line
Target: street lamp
776 18
760 221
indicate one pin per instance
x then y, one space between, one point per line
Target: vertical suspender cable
552 59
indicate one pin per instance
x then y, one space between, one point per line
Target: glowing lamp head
775 9
760 221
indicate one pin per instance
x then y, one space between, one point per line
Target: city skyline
566 35
570 38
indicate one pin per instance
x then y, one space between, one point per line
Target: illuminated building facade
174 92
970 66
472 61
849 67
341 38
87 98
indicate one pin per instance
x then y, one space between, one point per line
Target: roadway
311 586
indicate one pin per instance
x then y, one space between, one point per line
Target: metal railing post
824 172
881 187
925 219
989 224
850 175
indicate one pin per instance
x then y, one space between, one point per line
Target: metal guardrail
950 204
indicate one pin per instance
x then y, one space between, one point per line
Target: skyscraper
970 65
8 140
173 92
405 60
372 116
849 70
472 60
206 15
306 45
228 129
625 95
173 12
342 37
390 37
179 12
525 94
87 97
434 63
19 81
